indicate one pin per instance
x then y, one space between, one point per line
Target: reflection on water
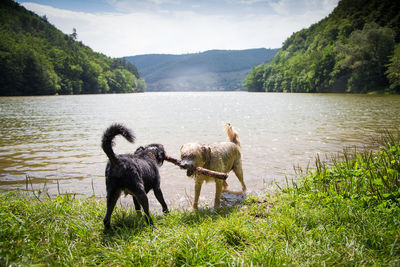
57 138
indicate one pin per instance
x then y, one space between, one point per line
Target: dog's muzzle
189 166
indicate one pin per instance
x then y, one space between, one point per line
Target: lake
55 140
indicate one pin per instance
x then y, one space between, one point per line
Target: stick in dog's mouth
218 175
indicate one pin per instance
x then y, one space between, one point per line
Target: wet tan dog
220 157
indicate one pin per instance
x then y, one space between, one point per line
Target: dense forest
38 59
355 50
213 70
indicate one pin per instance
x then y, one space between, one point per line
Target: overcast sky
133 27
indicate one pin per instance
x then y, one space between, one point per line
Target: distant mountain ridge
213 70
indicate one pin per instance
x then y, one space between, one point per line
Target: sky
120 28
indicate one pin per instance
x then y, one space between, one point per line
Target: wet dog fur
135 174
220 157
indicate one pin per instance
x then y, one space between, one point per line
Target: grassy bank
344 212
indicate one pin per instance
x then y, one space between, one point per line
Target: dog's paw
166 211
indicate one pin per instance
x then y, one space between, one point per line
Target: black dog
134 174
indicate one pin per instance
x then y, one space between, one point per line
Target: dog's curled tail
109 134
232 135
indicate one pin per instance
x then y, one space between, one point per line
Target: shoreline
345 212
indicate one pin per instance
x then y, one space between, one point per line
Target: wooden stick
218 175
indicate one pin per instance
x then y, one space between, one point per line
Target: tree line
38 59
354 50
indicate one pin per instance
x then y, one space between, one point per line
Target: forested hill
214 70
355 49
38 59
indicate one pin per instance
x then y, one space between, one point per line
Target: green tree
348 51
393 71
366 55
90 74
36 59
121 81
74 34
140 85
39 76
254 82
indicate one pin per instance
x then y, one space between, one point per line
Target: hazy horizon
119 28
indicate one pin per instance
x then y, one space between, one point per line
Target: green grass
345 212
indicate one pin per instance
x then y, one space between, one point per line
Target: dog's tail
232 135
108 139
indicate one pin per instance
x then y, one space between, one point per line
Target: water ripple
57 139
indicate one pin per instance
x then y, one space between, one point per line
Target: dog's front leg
160 198
197 189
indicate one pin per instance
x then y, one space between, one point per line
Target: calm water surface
57 138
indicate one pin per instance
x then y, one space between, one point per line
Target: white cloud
293 7
177 32
247 2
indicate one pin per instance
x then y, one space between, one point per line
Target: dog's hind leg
137 205
159 195
218 191
237 169
224 186
144 202
112 197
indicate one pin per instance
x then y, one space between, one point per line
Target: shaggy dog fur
220 157
134 174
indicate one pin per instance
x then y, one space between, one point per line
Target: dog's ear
159 153
160 156
139 149
206 152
